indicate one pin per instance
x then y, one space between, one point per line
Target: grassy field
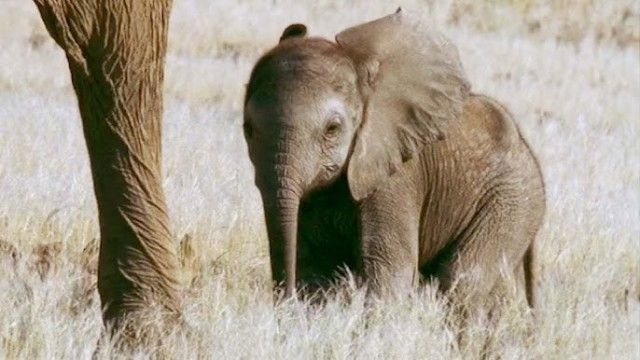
568 69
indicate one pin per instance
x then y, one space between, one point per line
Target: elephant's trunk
281 211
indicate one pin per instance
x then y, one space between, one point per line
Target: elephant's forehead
302 101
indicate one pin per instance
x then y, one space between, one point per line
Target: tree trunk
116 51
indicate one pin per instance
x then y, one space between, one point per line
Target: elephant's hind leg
492 245
529 279
521 283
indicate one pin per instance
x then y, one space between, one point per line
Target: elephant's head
363 105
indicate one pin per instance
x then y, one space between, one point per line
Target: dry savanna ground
568 69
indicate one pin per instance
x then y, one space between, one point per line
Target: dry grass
569 71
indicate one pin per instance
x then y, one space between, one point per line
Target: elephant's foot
141 328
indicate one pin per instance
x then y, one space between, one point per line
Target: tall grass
568 70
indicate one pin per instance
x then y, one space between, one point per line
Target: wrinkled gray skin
371 153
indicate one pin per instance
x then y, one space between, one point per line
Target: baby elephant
371 153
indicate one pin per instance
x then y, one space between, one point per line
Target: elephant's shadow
327 233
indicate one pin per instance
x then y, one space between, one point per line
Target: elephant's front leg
389 230
116 52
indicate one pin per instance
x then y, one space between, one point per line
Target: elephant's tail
529 276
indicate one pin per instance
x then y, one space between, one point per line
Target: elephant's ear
413 84
293 31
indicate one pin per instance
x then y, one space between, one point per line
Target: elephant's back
496 132
489 127
489 122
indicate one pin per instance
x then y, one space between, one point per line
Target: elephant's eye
248 129
333 127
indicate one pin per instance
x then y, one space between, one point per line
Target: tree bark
116 53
